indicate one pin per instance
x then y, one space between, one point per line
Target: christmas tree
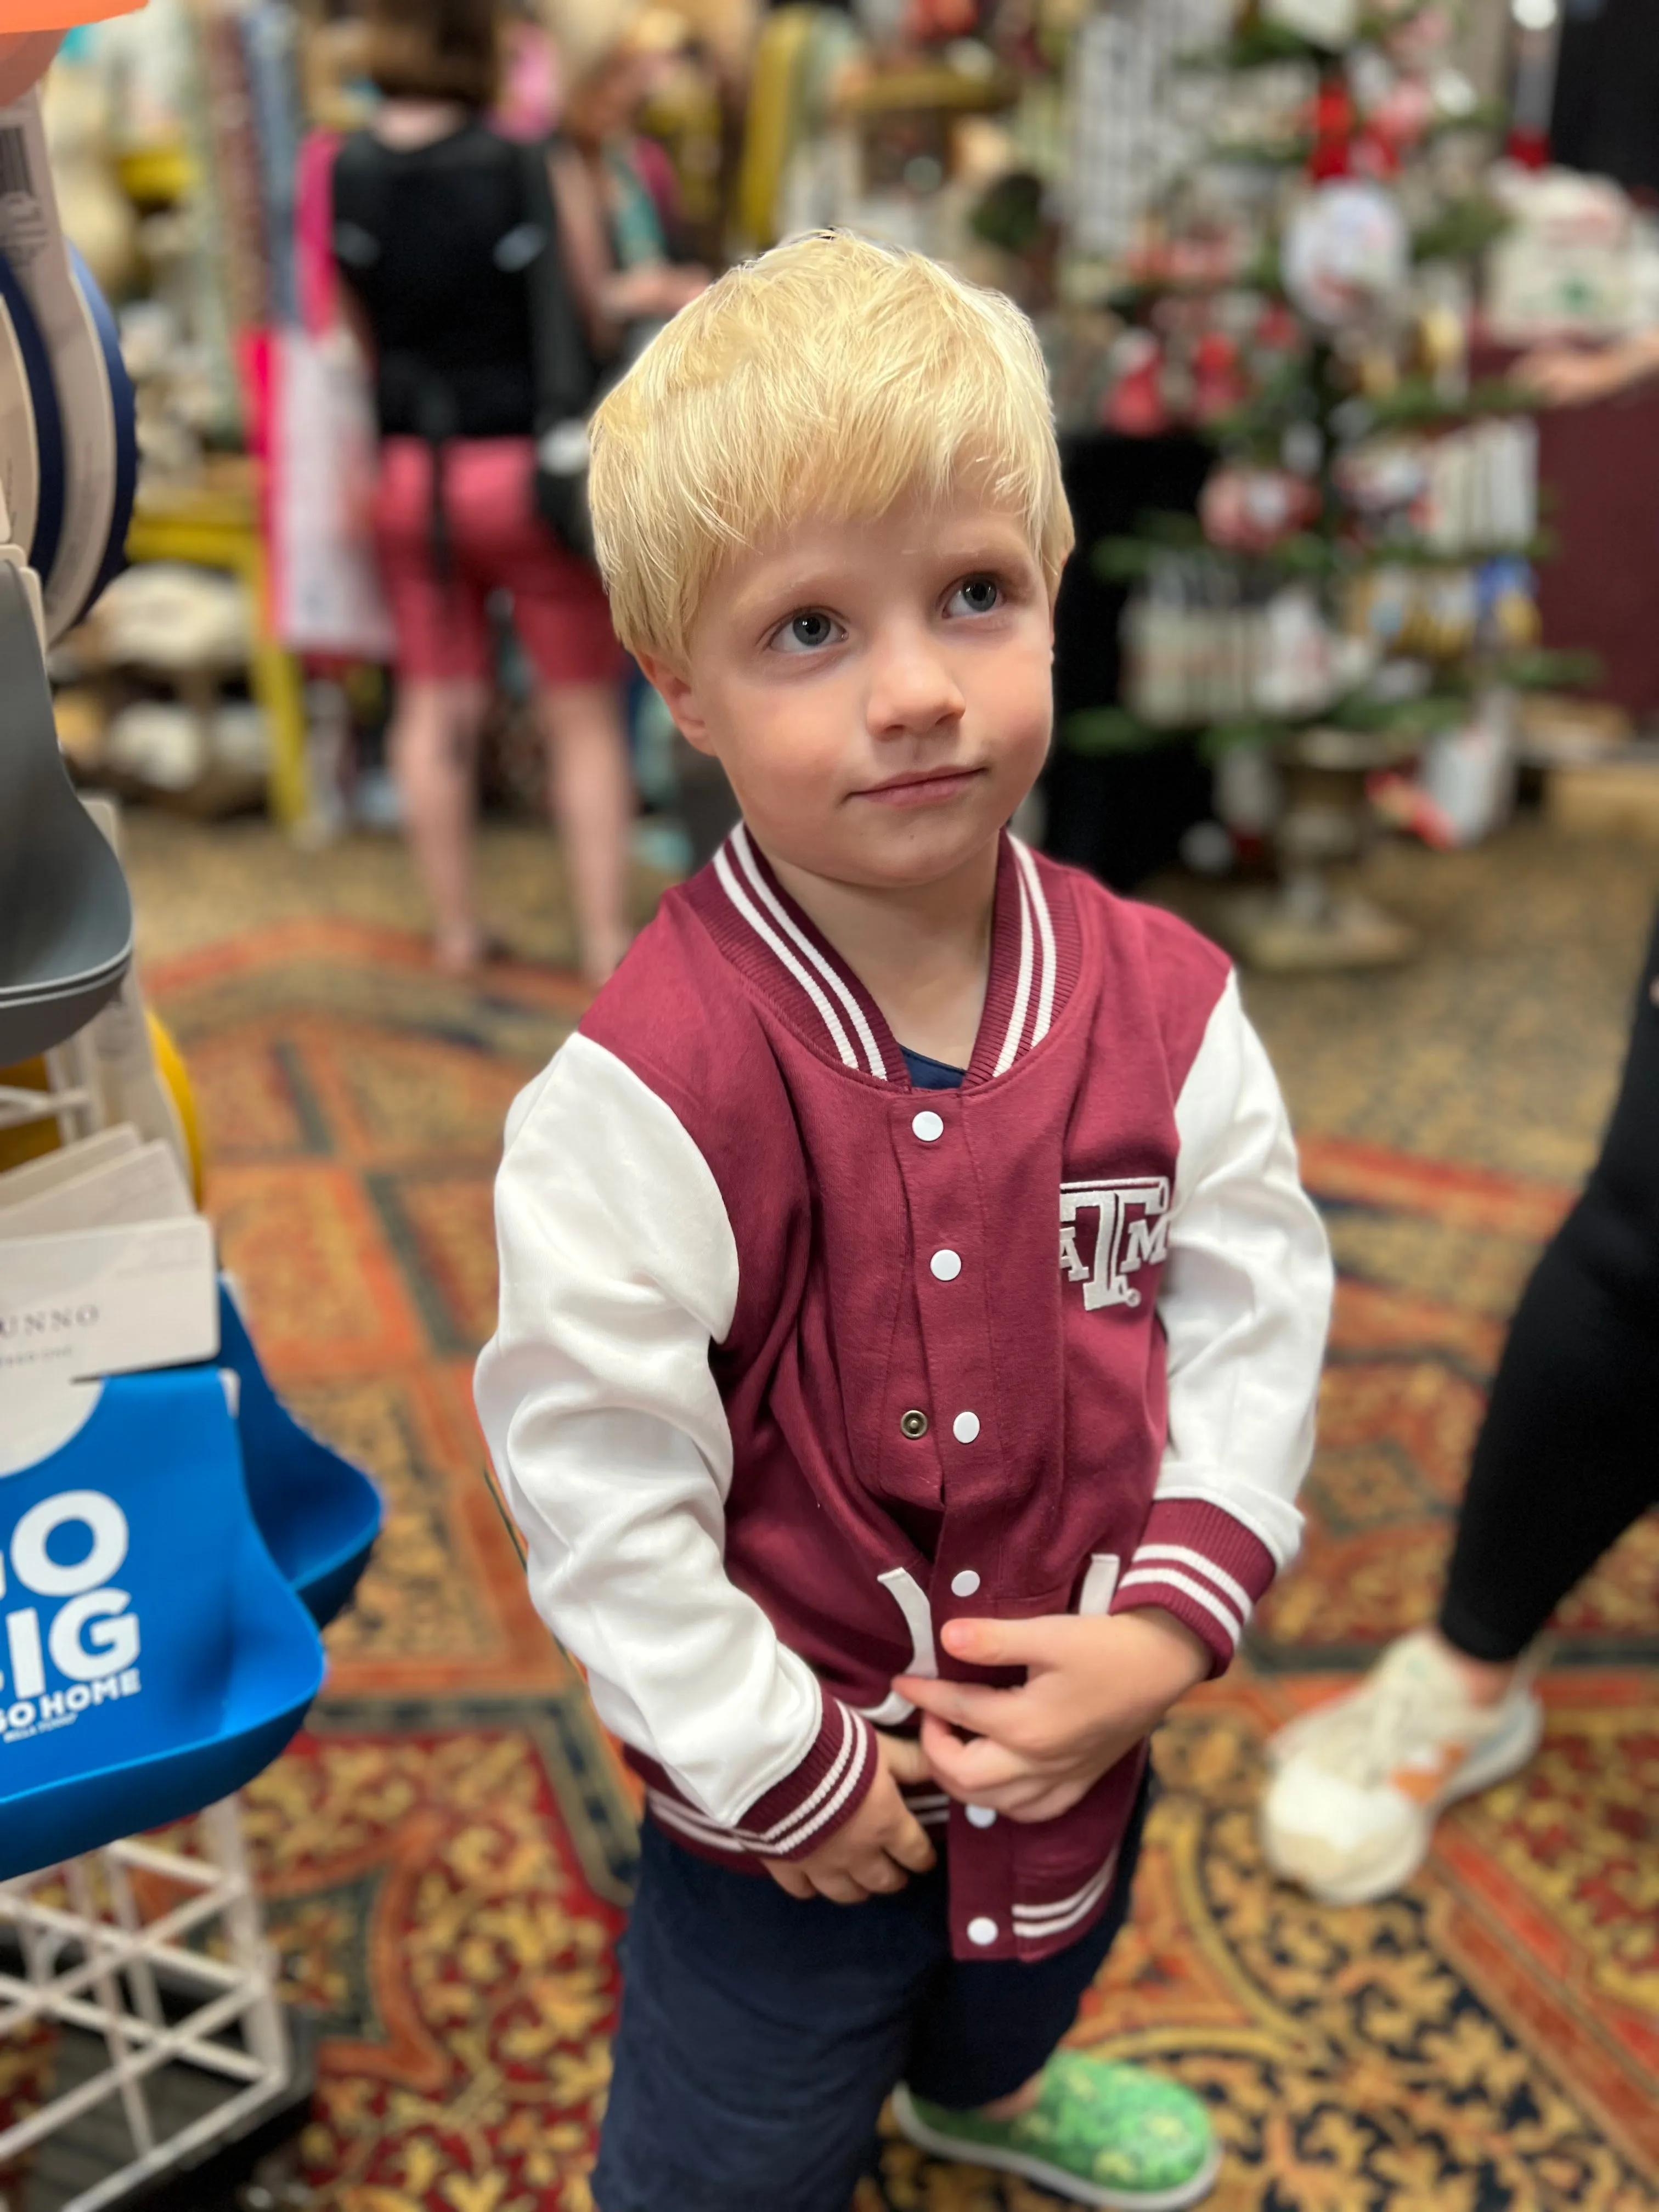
1354 599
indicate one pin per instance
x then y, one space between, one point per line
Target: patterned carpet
445 1853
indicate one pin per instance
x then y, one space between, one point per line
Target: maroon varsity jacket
795 1363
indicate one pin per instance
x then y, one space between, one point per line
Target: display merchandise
171 1541
1579 259
1135 126
81 460
1357 592
68 958
130 130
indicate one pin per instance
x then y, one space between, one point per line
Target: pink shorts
497 543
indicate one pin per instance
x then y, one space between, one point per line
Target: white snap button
946 1265
928 1126
982 1930
979 1816
965 1583
965 1428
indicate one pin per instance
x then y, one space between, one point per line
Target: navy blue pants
761 2032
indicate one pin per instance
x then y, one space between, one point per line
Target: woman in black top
427 209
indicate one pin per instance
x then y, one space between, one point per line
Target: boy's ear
678 697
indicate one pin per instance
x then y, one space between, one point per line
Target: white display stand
178 2043
71 1098
191 1986
140 1969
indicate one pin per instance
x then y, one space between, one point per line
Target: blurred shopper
532 92
424 237
1567 374
1604 118
1566 1461
621 187
626 179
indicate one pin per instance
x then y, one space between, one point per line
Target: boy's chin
909 856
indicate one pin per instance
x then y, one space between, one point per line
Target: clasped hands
1094 1687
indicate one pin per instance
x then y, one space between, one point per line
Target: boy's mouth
921 786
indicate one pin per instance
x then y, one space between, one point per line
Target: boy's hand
1094 1688
882 1839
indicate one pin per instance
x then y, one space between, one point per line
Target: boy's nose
914 691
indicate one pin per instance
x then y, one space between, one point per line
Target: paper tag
67 1163
105 1302
142 1186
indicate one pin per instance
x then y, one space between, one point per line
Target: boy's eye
807 632
976 595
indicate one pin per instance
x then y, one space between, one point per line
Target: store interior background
444 1853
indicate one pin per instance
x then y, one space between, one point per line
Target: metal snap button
914 1423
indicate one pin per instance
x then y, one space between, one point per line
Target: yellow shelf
218 527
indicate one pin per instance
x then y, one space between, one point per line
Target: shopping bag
325 592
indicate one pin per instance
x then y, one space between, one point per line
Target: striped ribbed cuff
803 1810
1198 1563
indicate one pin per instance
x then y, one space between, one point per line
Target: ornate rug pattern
445 1852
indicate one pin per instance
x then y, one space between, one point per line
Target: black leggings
1569 1454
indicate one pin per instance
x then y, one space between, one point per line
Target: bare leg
591 797
434 757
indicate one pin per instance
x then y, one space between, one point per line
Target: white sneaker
1359 1783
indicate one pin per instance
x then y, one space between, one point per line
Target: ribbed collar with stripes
762 931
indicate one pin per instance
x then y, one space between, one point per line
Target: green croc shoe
1099 2134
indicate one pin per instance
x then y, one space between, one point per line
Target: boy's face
877 689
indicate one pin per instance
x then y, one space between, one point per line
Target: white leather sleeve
618 1271
1246 1295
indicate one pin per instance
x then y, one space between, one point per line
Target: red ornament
1529 149
1376 154
1220 387
1135 406
1278 331
1333 130
1250 510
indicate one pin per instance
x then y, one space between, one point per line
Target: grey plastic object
65 912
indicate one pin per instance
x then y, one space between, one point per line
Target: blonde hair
831 376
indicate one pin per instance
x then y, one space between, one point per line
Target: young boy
810 1423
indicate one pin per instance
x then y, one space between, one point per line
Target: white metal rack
71 1098
158 1956
144 1967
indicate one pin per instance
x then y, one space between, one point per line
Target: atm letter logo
1108 1231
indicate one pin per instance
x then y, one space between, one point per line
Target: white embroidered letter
1131 1232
